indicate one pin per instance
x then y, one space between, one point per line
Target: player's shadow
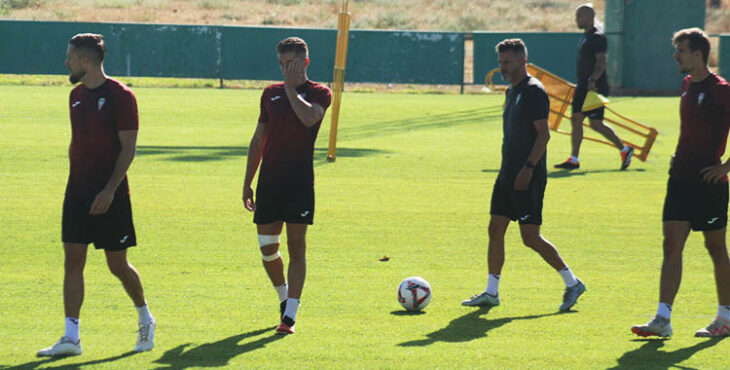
571 173
215 354
184 153
650 355
45 362
469 327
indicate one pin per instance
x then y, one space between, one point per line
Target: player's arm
252 163
307 112
522 181
598 70
128 143
715 174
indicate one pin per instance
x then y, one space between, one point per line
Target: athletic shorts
112 231
579 97
522 206
288 203
703 205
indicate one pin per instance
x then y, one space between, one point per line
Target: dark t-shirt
97 116
591 43
705 114
524 104
288 152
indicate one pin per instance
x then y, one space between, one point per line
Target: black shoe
568 165
626 158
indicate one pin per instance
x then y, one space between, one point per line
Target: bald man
591 75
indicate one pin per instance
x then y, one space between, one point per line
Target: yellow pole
338 79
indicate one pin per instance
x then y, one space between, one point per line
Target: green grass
412 181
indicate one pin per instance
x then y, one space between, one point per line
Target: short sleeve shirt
288 151
591 43
97 116
524 104
705 118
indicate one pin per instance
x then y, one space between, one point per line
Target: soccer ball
414 293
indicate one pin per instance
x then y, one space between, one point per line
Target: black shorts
580 96
703 205
288 203
112 231
522 206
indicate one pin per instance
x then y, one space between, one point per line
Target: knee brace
266 240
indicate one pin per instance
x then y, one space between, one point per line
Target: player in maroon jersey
697 191
291 114
96 208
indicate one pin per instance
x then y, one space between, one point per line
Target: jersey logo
100 104
517 99
700 98
684 93
275 98
75 103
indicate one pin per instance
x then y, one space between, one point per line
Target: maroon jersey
97 115
288 151
705 113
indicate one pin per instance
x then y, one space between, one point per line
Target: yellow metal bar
338 78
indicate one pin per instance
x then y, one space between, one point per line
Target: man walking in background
96 209
291 114
591 75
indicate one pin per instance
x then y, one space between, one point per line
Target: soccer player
697 190
520 186
96 208
291 114
591 75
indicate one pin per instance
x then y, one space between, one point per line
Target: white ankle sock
568 277
292 305
573 159
723 312
664 310
282 291
143 314
72 329
625 149
493 284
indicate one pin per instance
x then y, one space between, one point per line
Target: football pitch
412 181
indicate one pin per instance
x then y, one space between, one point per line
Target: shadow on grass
215 354
407 313
649 355
570 173
216 153
469 327
47 361
440 120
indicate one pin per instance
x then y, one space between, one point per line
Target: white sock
723 312
493 284
573 159
625 149
143 314
568 277
664 310
72 329
282 291
292 305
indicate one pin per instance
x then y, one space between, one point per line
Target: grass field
412 181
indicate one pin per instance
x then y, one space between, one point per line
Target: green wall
724 56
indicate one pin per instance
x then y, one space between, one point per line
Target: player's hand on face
101 203
248 198
522 182
714 174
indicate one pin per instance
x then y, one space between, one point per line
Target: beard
76 77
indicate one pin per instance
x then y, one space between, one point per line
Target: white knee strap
266 240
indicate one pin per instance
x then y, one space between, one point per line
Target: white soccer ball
414 293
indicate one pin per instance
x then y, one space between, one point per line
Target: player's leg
576 137
597 124
501 211
269 241
296 238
